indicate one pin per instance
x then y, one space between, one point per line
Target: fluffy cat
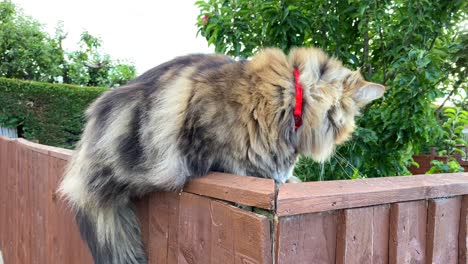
202 113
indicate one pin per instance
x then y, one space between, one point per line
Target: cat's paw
293 179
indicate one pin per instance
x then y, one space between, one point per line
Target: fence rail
415 219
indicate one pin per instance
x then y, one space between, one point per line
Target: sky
145 32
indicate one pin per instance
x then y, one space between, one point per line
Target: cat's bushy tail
112 233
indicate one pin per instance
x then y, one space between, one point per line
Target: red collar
298 107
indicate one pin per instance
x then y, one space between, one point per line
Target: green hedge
50 113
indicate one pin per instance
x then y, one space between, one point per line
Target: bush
50 113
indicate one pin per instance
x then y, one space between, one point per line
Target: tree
414 47
27 52
89 66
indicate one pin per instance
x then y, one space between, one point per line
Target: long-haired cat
202 113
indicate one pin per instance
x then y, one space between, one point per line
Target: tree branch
455 88
365 52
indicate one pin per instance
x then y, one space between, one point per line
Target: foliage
38 108
29 53
451 166
26 52
413 47
456 119
89 66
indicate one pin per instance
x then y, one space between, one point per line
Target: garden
362 206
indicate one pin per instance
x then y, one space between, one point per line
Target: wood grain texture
61 153
161 236
252 236
442 230
24 204
63 238
173 200
408 232
463 233
331 195
244 190
38 201
307 238
214 231
195 229
4 239
362 235
37 227
8 206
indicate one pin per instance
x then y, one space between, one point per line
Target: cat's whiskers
348 163
322 171
339 163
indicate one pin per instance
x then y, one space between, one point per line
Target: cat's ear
368 92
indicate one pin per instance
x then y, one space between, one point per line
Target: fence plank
244 190
37 194
173 200
4 192
381 234
408 232
63 239
13 208
222 235
142 211
8 188
463 234
245 240
195 229
311 197
302 238
443 226
252 237
363 235
25 215
162 227
158 228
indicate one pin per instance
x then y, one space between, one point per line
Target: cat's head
333 96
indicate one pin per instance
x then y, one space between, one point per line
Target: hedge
53 114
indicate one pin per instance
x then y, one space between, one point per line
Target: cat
201 113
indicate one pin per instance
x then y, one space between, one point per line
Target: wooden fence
415 219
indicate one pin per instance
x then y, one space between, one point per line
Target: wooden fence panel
13 206
161 240
142 212
195 229
38 202
408 232
463 234
3 195
23 220
363 235
173 200
310 197
222 235
252 236
64 241
206 225
8 206
314 222
442 230
303 238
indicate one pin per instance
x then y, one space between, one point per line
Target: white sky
146 32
